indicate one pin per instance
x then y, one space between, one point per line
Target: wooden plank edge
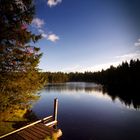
51 123
25 127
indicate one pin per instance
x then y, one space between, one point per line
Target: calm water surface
85 113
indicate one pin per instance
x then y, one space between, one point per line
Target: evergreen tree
16 54
19 76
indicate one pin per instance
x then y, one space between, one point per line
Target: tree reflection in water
127 95
15 111
15 106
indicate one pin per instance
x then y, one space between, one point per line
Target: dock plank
28 134
24 136
37 130
43 126
35 133
40 130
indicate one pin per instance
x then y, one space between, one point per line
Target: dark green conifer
16 53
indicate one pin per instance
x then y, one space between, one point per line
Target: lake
86 112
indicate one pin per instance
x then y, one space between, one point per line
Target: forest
119 82
19 72
126 74
20 77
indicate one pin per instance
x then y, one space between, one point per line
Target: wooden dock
38 130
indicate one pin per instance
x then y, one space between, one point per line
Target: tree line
119 82
125 74
19 58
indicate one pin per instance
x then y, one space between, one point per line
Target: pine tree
19 76
18 59
16 53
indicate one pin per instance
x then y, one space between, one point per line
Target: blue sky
87 35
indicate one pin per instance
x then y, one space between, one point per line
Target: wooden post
55 109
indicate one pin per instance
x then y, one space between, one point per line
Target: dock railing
47 121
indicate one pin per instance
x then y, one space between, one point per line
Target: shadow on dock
44 129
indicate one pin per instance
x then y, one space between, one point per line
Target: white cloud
129 56
97 67
117 60
53 37
37 22
52 3
73 68
103 66
137 44
40 31
44 35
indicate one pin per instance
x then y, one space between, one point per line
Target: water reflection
125 95
15 110
88 111
91 98
74 87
